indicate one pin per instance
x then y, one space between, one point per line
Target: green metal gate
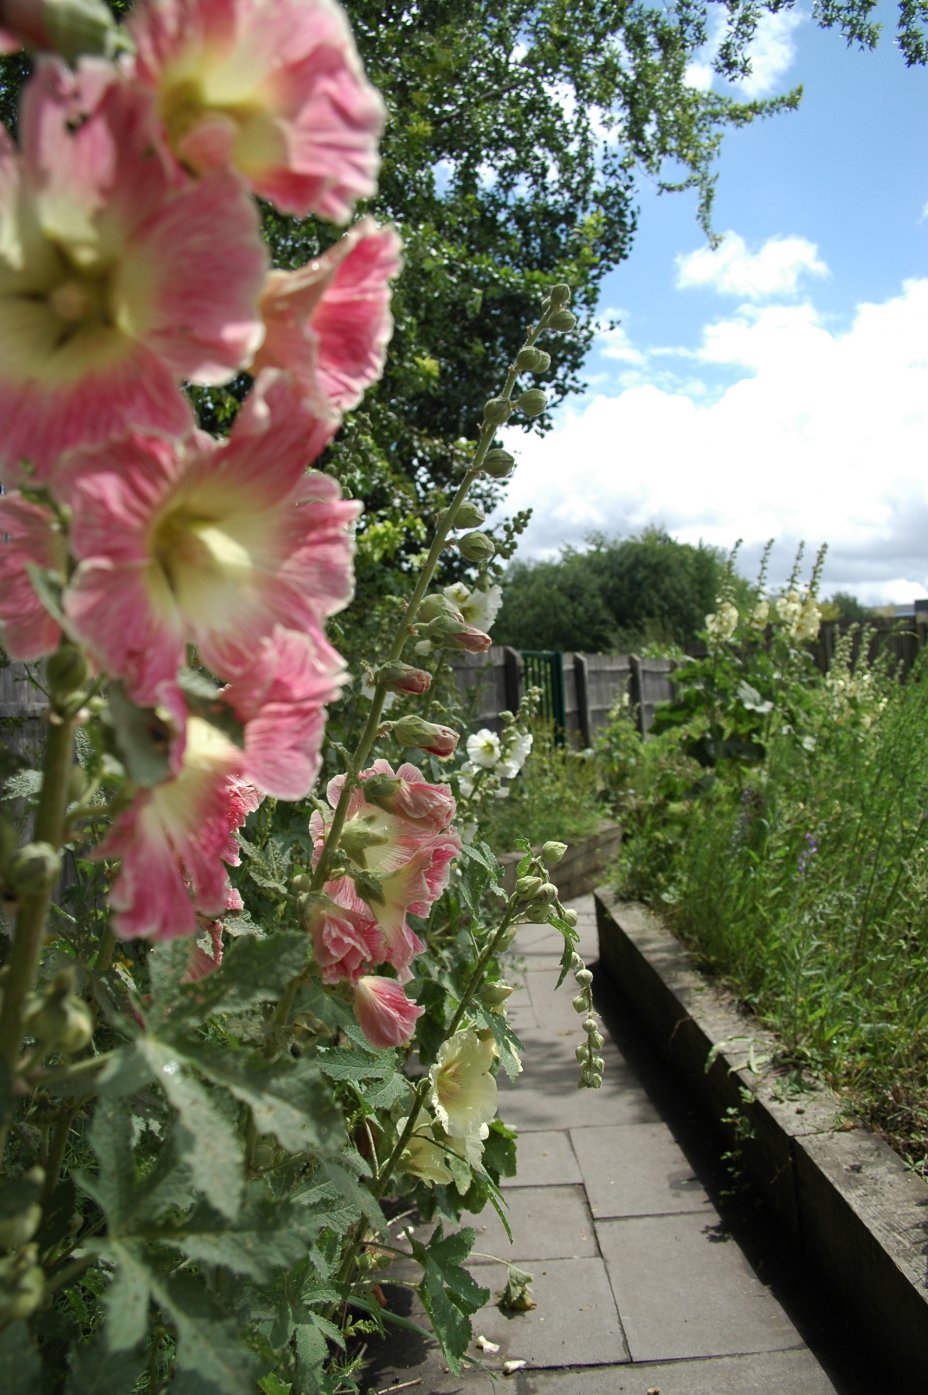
544 669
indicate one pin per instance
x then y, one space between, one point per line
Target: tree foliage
617 596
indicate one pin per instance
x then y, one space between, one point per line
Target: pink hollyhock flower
118 278
280 701
329 324
385 1015
174 839
408 860
209 544
270 88
32 537
345 944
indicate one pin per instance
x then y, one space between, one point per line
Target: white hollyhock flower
483 749
463 1093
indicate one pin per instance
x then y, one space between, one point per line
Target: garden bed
580 869
856 1213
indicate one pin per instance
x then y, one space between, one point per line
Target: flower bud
20 1212
32 868
570 917
581 1054
548 893
58 1019
469 515
426 736
532 360
403 678
583 977
579 1004
532 402
498 463
476 547
559 295
552 852
66 671
596 1040
493 995
22 1285
497 411
382 790
435 605
562 319
589 1026
69 27
527 888
314 907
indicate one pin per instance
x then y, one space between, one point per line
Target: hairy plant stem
29 930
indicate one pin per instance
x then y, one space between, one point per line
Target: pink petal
31 536
385 1015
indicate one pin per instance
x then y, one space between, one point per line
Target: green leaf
286 1098
20 1367
211 1357
98 1369
509 1044
25 784
143 738
48 586
449 1293
267 1237
207 1138
126 1299
253 971
271 1385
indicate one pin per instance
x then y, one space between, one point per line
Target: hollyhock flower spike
32 539
385 1015
207 544
174 837
117 277
272 89
329 323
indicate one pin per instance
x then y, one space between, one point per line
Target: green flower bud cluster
532 360
591 1065
476 547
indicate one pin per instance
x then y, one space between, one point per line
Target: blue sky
777 387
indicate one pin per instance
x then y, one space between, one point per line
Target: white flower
516 755
483 749
423 1156
479 607
463 1093
760 615
722 624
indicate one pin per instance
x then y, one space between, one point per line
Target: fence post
512 678
583 701
635 695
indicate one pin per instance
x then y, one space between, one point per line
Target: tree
615 597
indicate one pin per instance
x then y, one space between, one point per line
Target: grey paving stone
684 1289
544 1159
545 1095
636 1170
777 1373
574 1324
546 1223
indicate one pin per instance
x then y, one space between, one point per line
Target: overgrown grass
803 880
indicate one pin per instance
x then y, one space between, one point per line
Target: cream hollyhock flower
479 607
424 1156
463 1093
722 624
517 753
760 615
483 749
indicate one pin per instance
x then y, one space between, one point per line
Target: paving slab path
649 1279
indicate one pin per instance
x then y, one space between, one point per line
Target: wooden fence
593 684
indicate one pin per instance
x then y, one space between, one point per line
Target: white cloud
732 269
772 52
822 437
614 343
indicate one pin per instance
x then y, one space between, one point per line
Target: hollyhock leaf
509 1044
253 971
449 1292
207 1137
286 1099
266 1237
96 1369
211 1357
20 1366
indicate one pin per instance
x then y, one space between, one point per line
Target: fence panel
608 678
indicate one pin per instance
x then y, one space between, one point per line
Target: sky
776 387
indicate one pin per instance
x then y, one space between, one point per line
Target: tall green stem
33 908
